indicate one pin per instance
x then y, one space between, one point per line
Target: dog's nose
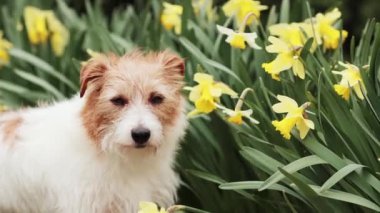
140 135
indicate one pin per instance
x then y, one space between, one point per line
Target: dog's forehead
137 77
138 66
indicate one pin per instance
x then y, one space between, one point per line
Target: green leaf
255 185
217 180
291 168
40 82
42 65
284 11
339 175
260 159
346 197
308 192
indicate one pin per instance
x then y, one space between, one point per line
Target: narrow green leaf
42 65
245 185
217 180
291 168
346 197
40 82
339 175
308 192
284 11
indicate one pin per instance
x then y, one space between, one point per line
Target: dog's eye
119 101
156 99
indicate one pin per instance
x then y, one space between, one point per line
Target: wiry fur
78 156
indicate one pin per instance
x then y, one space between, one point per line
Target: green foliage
225 167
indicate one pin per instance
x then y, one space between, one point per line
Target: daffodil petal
282 62
286 105
277 45
195 94
247 112
226 89
358 91
298 68
309 123
216 92
203 77
250 38
333 15
224 30
302 128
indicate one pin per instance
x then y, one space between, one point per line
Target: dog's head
133 101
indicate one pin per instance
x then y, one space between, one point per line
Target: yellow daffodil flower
59 34
5 45
288 57
324 24
238 39
171 17
351 78
149 207
207 93
42 25
295 34
294 117
35 21
236 116
241 8
290 33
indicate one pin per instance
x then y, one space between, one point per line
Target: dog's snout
140 135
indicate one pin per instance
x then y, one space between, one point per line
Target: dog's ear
92 71
173 62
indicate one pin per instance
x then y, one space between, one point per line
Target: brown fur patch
134 76
10 127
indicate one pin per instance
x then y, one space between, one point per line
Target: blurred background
355 13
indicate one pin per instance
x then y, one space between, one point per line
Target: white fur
53 166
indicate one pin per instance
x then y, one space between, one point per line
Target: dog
104 150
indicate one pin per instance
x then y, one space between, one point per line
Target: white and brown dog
104 150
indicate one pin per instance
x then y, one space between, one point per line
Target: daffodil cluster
351 78
42 25
287 41
5 45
